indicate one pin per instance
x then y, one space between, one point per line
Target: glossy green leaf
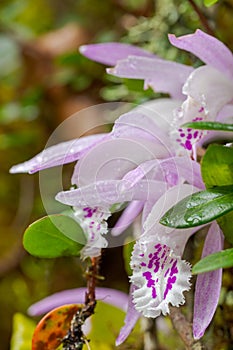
209 126
23 328
225 222
210 2
223 259
200 208
54 236
217 170
217 166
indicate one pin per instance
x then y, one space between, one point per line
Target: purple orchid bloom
208 88
160 276
135 163
143 161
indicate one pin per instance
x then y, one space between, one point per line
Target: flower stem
202 18
75 339
150 334
184 329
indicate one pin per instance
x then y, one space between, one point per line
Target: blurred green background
44 80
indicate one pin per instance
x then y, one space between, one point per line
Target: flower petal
209 90
113 158
208 285
160 275
163 76
105 193
110 296
209 49
127 217
111 53
62 153
161 111
165 202
94 225
138 124
171 170
130 320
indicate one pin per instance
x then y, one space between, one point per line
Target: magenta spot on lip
201 110
150 283
195 134
188 145
182 134
89 212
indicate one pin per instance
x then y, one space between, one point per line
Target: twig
150 334
75 339
202 18
184 329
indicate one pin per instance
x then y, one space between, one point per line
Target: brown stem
75 339
92 275
184 329
150 334
202 17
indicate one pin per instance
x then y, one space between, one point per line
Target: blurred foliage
43 80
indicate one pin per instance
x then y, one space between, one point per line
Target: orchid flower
208 88
145 161
147 168
137 137
160 276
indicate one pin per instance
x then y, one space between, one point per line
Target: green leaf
209 3
223 259
217 166
200 208
23 328
225 222
209 126
217 170
106 324
54 236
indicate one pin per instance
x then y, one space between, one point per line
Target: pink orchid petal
208 285
209 49
208 92
163 76
127 217
62 153
139 124
111 53
226 114
130 320
172 170
110 296
161 112
105 193
165 202
113 158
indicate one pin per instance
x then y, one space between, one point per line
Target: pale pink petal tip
130 320
208 285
